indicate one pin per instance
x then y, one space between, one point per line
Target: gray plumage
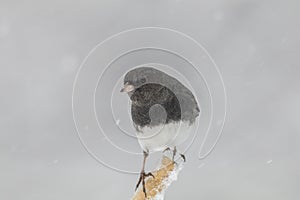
154 104
159 98
163 111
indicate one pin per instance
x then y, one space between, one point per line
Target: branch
164 176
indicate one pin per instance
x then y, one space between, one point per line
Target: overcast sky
255 44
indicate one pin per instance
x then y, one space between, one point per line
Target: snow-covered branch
164 176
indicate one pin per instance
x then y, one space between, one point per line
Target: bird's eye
143 80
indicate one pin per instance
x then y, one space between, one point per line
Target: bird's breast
159 137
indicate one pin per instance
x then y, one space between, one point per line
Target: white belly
158 138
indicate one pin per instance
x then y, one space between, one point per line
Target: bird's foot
142 178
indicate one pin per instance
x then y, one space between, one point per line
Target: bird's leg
174 153
143 175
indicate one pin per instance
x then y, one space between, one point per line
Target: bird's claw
142 178
183 157
149 174
167 149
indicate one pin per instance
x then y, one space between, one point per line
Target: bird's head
140 76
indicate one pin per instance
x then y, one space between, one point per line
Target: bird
163 112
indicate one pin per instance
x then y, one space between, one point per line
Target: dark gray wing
189 106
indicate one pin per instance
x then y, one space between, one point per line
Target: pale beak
127 88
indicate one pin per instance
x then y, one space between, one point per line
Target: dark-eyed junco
163 111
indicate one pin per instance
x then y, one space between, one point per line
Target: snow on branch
164 176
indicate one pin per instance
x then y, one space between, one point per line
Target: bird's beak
127 88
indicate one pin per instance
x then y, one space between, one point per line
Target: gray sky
255 44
